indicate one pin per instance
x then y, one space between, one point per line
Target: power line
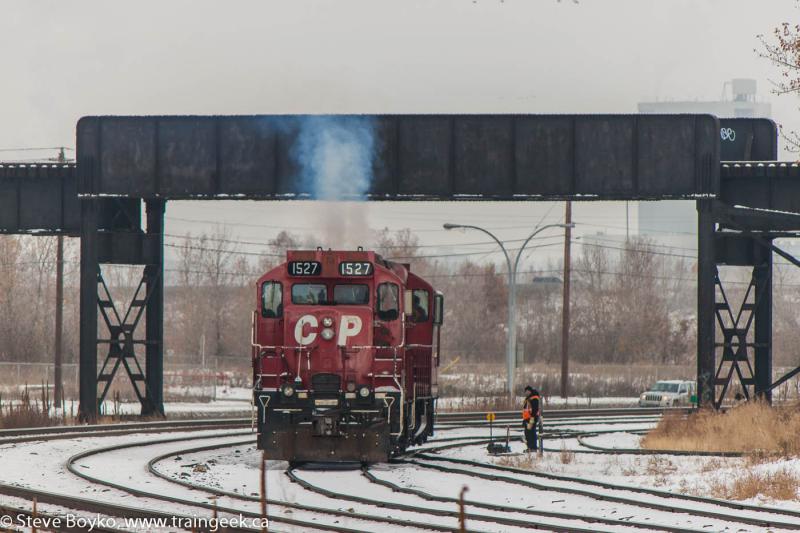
316 229
668 232
267 226
414 246
476 253
220 250
36 149
9 266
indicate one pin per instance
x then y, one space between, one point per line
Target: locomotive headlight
327 334
363 392
327 321
288 391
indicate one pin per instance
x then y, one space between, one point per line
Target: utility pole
58 390
627 222
565 302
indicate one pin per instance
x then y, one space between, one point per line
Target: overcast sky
62 60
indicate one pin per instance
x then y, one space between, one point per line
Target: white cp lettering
349 326
304 340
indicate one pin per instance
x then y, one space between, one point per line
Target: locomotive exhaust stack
345 350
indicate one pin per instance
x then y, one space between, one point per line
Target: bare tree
782 48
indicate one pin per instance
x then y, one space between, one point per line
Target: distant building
741 102
675 222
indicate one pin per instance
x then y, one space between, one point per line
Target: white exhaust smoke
336 156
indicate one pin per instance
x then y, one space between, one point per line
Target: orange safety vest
526 411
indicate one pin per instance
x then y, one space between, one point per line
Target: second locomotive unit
345 352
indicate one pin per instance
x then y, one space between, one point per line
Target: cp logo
349 326
727 134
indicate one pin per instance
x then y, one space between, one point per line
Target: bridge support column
706 301
87 410
762 276
154 317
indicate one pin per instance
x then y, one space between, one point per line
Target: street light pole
511 340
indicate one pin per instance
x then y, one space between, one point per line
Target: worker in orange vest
530 417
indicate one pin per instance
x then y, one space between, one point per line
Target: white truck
670 393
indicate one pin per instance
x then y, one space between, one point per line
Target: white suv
668 394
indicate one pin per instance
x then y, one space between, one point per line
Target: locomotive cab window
388 301
351 294
309 294
271 299
420 306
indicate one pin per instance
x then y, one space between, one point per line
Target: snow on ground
239 472
623 470
235 468
680 474
215 408
130 469
244 394
623 440
212 392
40 465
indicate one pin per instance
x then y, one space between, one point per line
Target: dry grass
27 412
779 485
712 465
566 456
525 461
752 428
660 466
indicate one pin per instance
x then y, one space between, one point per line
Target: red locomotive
345 351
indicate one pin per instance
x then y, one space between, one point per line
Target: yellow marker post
490 417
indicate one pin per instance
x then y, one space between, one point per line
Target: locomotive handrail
402 395
280 347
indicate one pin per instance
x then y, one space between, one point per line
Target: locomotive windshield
351 294
309 294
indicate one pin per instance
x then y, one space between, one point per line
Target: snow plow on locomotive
345 353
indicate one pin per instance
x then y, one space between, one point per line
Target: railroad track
626 499
324 517
505 522
111 509
417 512
503 517
59 504
124 428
